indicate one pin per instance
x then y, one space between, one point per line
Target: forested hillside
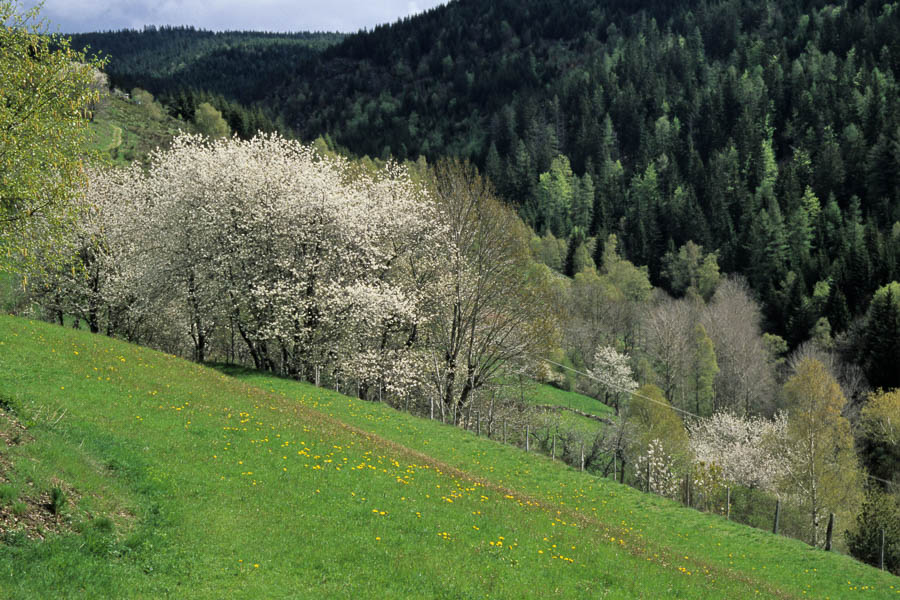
647 152
186 66
766 131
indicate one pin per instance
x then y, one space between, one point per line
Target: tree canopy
767 133
47 92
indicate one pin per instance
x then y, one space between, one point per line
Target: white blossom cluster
657 465
270 253
612 371
746 449
304 258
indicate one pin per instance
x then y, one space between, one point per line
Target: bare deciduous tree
493 305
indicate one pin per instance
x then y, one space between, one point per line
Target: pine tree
581 212
881 338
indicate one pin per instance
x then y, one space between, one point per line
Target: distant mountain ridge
168 59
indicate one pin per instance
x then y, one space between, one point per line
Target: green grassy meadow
122 131
548 395
182 481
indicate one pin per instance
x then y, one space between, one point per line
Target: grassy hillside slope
185 482
124 131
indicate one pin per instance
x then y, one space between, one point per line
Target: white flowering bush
658 466
744 448
612 371
301 260
268 252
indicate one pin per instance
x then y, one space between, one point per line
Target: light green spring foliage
703 370
691 271
824 474
210 122
151 106
47 93
632 281
651 418
879 433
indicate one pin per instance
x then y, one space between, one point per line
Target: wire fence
598 450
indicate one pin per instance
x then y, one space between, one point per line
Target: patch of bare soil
32 514
36 520
12 432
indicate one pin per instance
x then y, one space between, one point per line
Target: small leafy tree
880 511
690 271
744 448
822 469
46 92
879 434
210 122
612 370
702 370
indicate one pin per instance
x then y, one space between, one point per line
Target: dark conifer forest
766 132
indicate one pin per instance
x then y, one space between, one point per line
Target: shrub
58 500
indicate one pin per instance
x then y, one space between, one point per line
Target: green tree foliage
632 281
880 511
880 343
209 121
650 418
878 432
581 212
581 259
150 104
823 473
691 271
555 193
702 371
46 93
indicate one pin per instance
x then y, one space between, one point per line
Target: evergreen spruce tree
881 338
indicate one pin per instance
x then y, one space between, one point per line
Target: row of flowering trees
270 253
804 455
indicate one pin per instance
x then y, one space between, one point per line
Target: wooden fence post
648 475
828 532
582 456
881 559
777 516
504 431
727 503
527 435
553 451
478 423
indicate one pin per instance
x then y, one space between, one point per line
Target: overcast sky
75 16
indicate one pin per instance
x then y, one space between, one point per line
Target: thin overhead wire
618 388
